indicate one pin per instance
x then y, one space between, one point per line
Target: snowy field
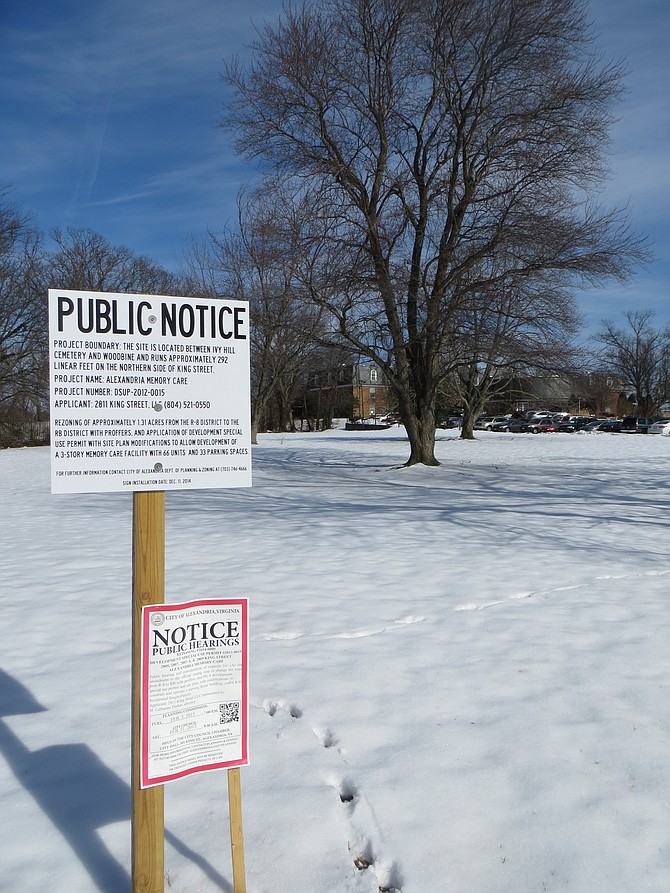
460 676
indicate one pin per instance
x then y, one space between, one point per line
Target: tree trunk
420 428
467 429
258 407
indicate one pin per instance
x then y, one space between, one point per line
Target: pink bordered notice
194 695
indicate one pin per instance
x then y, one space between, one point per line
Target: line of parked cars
549 422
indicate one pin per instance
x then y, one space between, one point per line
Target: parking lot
547 422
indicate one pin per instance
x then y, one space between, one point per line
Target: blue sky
109 115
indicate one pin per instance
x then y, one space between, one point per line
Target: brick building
353 391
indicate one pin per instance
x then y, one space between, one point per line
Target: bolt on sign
148 392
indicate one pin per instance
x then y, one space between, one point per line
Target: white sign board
194 694
148 392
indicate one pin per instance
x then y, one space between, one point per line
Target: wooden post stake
236 835
147 820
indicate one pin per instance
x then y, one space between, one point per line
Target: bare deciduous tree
639 354
84 260
81 259
434 138
508 328
259 263
23 361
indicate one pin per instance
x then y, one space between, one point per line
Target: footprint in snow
361 844
325 737
271 708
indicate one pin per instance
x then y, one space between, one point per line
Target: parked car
582 421
543 426
500 423
452 422
636 424
572 423
594 425
660 427
517 426
611 426
483 423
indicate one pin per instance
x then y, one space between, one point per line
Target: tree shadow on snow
78 793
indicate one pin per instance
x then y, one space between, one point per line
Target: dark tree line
262 261
23 358
256 261
259 262
429 204
638 354
78 259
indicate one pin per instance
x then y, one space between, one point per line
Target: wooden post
236 835
147 820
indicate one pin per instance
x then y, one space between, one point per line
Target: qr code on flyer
230 711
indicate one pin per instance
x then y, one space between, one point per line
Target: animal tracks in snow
517 596
271 708
350 634
355 815
325 737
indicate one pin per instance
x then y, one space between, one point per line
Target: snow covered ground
459 675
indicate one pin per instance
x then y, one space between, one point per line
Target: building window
373 375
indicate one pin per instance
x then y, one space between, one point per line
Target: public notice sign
194 692
148 392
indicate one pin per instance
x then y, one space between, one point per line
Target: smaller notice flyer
194 694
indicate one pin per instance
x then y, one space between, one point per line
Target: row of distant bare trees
250 262
76 259
291 336
428 203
